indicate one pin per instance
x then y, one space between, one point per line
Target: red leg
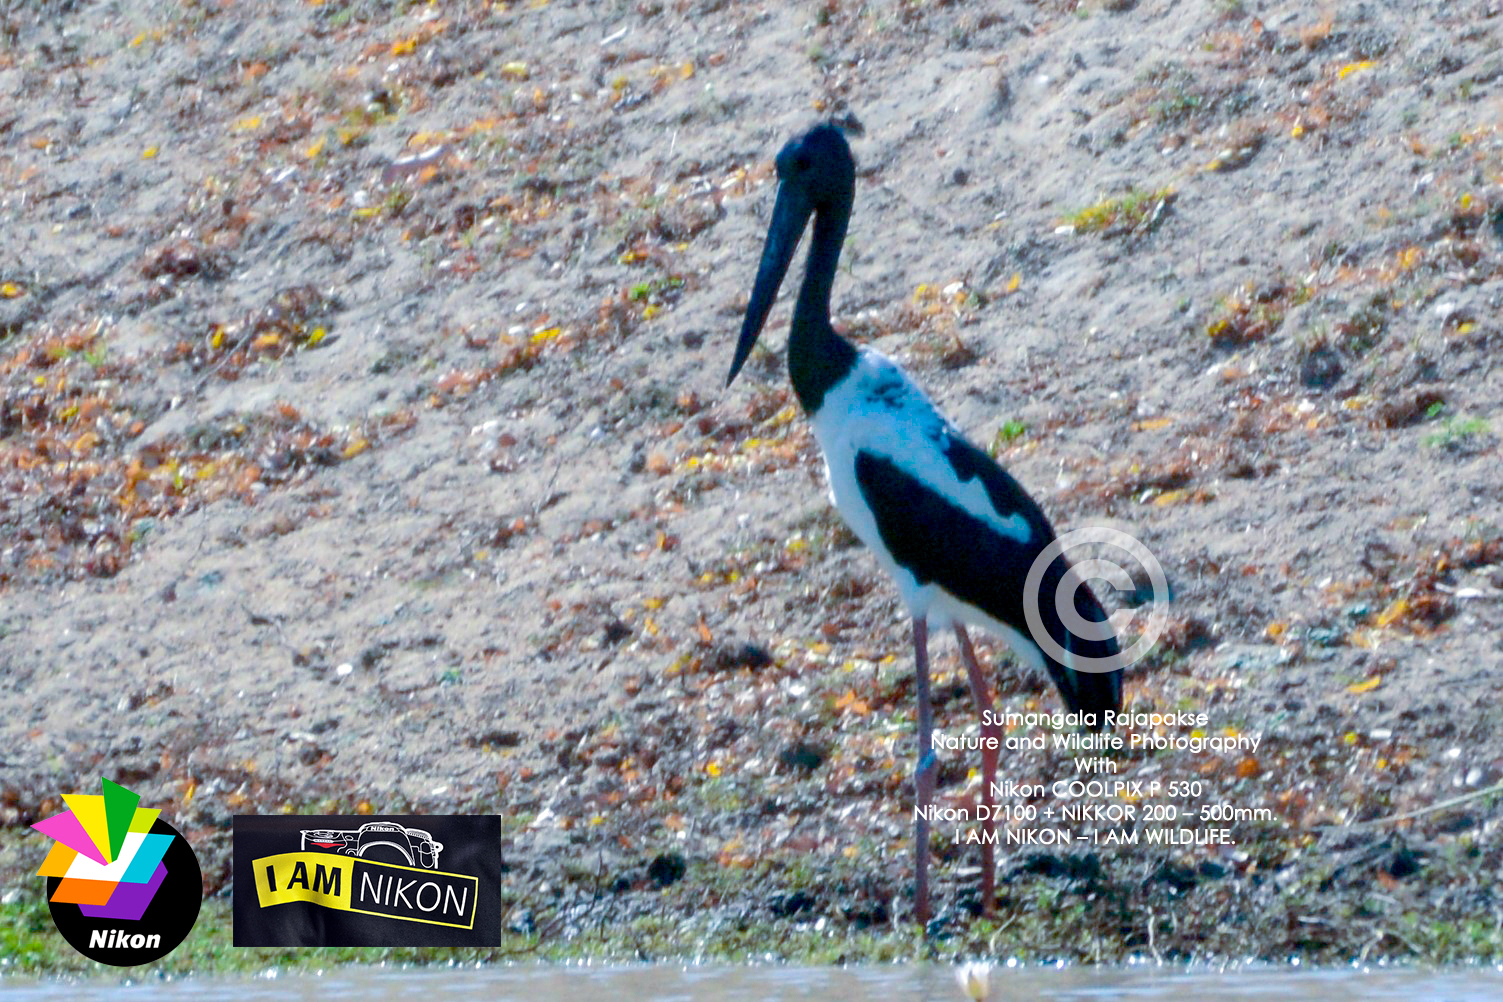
924 773
989 730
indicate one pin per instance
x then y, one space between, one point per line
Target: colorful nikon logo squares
122 885
322 880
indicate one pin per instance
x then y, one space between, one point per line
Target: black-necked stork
955 530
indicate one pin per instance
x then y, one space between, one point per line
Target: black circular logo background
171 914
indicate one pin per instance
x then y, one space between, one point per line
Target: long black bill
789 217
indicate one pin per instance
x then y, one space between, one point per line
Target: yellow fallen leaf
10 290
1367 685
855 704
516 70
355 448
1152 424
1357 67
1014 282
150 152
1171 497
1394 612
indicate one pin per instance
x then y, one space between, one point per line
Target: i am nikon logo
366 881
356 885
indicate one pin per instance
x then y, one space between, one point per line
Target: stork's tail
1089 677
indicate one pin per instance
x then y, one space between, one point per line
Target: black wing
940 542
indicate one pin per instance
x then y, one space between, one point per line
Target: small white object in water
973 978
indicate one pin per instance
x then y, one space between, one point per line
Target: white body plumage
879 411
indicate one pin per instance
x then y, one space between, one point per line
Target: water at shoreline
829 984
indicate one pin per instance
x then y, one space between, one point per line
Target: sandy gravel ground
364 446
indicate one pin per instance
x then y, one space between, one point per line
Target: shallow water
766 984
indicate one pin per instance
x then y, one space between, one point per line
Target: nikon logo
391 890
114 861
337 880
119 939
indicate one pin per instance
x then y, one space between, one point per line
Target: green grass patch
1006 435
1456 431
1120 212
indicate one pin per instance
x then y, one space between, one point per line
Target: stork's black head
820 165
816 174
